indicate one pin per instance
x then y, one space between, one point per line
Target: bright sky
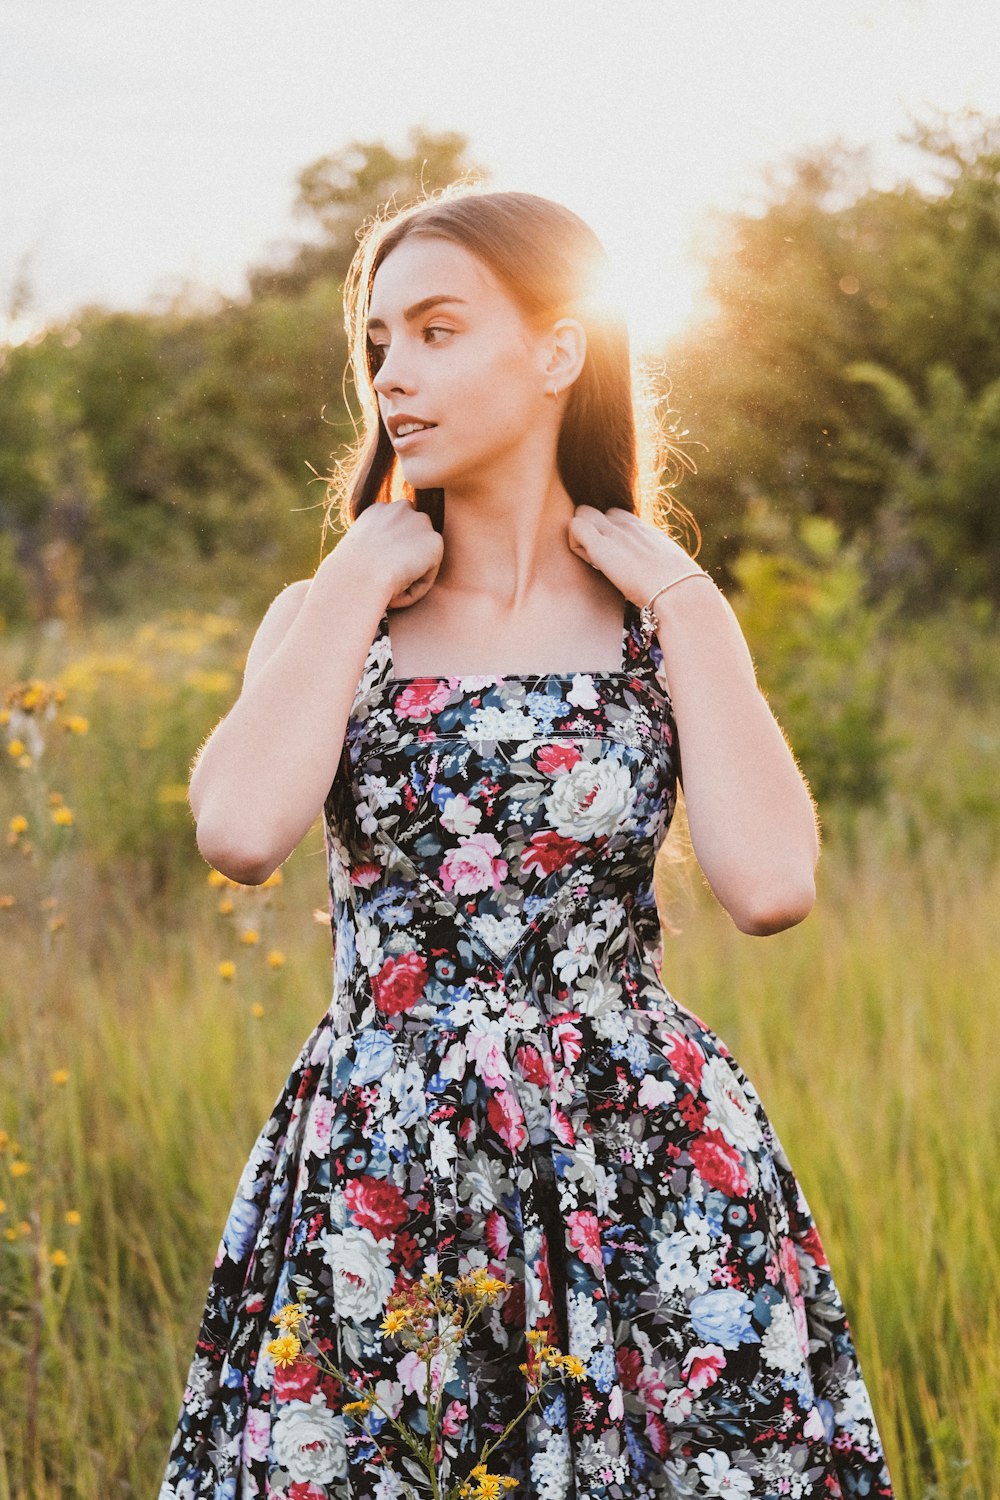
144 145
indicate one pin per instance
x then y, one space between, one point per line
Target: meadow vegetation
845 400
150 1012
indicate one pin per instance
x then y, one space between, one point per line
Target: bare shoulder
275 625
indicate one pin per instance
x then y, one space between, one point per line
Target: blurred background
803 212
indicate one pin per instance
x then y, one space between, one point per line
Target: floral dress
501 1080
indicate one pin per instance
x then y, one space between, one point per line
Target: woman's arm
264 773
752 821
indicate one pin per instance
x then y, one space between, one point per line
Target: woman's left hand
637 558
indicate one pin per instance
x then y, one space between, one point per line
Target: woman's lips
412 437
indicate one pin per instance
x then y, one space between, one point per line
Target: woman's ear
566 350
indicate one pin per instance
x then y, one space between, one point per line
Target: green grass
869 1030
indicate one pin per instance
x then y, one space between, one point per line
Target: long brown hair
612 447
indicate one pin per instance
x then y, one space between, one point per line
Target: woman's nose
387 378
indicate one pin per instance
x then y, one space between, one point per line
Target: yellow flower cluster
287 1347
487 1486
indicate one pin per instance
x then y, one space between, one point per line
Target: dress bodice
489 810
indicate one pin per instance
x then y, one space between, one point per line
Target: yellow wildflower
275 958
227 969
6 901
536 1336
3 1205
394 1321
72 1216
225 906
216 878
10 1234
18 824
275 878
58 1258
257 1010
19 1169
63 816
574 1366
289 1316
358 1408
60 1075
284 1350
250 935
24 1227
76 723
15 747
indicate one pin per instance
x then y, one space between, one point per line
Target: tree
832 275
340 192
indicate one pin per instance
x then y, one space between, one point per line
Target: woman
487 688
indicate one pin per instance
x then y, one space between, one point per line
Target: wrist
661 597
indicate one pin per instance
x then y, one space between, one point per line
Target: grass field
134 1076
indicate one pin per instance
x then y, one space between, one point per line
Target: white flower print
578 953
501 724
720 1480
592 799
729 1109
362 1275
779 1345
378 793
583 693
309 1441
459 816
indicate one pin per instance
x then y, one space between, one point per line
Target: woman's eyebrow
420 307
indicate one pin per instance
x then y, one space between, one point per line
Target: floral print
502 1080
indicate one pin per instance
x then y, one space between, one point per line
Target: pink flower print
419 700
702 1366
473 866
585 1236
504 1114
456 1413
497 1234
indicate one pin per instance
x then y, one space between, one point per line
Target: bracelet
647 619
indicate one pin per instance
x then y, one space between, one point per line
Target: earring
554 391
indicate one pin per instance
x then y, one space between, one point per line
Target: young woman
491 689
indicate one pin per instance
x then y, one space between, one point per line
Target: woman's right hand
396 545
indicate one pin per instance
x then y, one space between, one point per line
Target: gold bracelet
647 619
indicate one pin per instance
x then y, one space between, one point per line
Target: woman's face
469 365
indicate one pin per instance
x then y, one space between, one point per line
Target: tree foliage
142 454
850 370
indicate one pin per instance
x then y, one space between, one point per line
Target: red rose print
376 1205
812 1245
554 759
548 851
719 1164
298 1382
629 1366
687 1058
399 983
532 1065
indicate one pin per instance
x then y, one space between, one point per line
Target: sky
149 147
